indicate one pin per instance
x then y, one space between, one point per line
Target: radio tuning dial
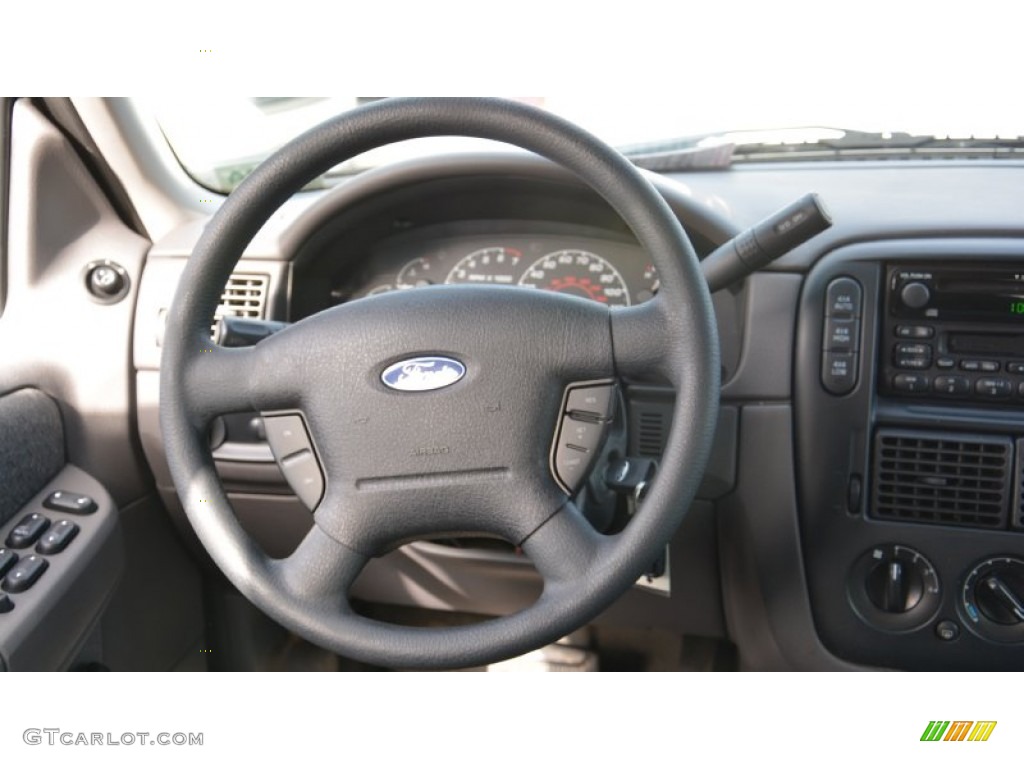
915 295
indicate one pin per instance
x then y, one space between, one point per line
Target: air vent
244 295
649 422
1018 498
942 478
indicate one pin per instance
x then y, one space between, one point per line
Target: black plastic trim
833 446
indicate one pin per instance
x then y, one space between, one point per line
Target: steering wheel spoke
565 548
320 570
641 339
221 380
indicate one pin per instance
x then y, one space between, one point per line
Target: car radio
954 332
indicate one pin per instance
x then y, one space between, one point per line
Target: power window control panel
19 571
61 557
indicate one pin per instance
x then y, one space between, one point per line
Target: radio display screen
956 293
986 344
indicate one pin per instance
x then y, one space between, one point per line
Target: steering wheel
470 457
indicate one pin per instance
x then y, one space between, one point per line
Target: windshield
219 140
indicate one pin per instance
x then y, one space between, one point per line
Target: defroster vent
942 478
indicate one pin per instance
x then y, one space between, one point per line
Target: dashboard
797 550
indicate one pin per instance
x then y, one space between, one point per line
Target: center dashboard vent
245 295
942 478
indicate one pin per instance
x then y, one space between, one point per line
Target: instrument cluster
608 271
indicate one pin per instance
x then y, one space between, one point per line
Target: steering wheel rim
674 334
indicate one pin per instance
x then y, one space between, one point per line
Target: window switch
57 538
7 559
25 573
68 501
27 531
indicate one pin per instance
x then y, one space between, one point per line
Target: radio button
989 366
839 372
970 365
1020 389
1015 367
841 335
912 363
952 385
921 350
915 331
910 382
843 298
945 363
991 387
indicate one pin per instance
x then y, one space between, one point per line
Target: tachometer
487 265
580 273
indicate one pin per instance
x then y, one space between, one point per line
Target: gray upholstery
31 447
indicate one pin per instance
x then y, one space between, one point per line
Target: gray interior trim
53 335
767 607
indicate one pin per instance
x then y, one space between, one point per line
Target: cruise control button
593 400
286 435
992 387
7 559
27 531
25 573
71 502
839 372
910 382
843 298
571 465
952 385
584 435
57 538
841 334
302 472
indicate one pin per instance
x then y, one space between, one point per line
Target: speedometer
579 273
487 265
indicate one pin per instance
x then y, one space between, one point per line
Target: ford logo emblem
421 374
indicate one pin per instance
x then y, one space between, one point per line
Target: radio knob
915 295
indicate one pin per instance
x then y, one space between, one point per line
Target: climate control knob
992 599
894 587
